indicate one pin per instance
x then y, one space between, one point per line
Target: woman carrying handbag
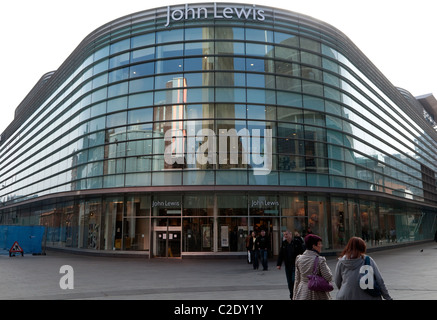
308 263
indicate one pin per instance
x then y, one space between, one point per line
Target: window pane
145 84
235 204
198 177
310 58
231 177
288 83
170 81
117 104
104 52
229 48
261 80
261 112
199 48
230 95
100 81
139 148
98 109
97 124
259 35
142 55
141 100
310 44
138 179
231 111
199 33
141 115
170 36
139 131
171 50
289 99
113 181
141 70
230 63
138 164
199 79
287 68
118 75
287 53
169 66
143 40
200 95
200 63
120 46
287 39
119 60
262 50
116 119
261 96
228 78
166 178
229 33
195 111
118 89
101 66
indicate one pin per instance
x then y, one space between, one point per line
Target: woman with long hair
349 271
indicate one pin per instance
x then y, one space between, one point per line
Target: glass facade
180 139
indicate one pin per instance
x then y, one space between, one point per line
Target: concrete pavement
410 273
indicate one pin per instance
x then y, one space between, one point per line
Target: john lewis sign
226 13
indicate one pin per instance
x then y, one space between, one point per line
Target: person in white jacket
347 273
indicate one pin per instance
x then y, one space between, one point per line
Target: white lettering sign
67 280
202 13
165 204
366 281
256 148
264 203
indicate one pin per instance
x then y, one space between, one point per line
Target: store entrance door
167 237
271 226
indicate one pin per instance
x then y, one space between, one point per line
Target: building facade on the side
178 130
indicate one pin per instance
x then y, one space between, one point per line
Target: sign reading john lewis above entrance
226 13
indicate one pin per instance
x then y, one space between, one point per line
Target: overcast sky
398 36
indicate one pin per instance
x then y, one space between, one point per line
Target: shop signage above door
230 12
261 202
166 204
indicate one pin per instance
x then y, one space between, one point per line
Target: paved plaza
410 273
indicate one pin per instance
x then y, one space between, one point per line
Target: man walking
290 249
263 244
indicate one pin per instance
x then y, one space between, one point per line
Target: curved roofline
323 32
79 54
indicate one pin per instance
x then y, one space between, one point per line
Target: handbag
316 282
366 271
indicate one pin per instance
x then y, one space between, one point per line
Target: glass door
271 227
167 237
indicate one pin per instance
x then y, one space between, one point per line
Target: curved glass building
176 131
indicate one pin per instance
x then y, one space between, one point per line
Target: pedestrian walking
291 247
305 266
253 251
348 272
249 256
263 244
393 235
